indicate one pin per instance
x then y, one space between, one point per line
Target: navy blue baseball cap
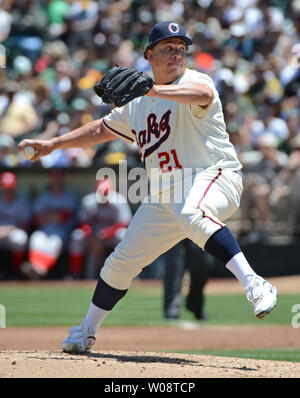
164 30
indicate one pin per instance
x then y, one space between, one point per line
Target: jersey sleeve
117 122
197 111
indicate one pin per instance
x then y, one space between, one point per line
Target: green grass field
51 305
290 355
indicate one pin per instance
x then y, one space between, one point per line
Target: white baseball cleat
80 339
262 295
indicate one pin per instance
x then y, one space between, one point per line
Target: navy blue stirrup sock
105 296
222 245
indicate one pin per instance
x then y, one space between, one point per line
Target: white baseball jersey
172 136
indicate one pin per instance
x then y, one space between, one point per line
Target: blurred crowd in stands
56 50
59 231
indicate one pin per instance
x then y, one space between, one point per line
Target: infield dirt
145 352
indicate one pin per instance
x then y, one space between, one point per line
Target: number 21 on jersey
165 157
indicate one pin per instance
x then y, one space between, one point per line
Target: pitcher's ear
147 48
149 55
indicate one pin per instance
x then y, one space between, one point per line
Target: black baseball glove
121 85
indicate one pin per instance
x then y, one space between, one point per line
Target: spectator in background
269 121
259 178
292 117
285 198
57 11
15 216
186 256
7 146
63 87
81 20
19 117
54 212
103 218
5 20
41 99
240 41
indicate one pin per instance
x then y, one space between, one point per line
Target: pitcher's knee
203 227
119 273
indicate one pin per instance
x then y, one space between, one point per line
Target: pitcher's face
168 59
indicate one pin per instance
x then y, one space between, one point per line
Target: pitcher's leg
212 200
152 231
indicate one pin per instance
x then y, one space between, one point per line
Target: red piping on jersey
203 196
117 132
211 219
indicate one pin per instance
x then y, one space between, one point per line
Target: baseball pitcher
177 122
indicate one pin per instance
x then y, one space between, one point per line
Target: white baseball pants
156 227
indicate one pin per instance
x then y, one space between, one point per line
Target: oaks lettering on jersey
156 133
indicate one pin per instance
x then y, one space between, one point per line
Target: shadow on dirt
141 359
153 359
146 358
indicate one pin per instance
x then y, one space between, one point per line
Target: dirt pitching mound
131 352
131 364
